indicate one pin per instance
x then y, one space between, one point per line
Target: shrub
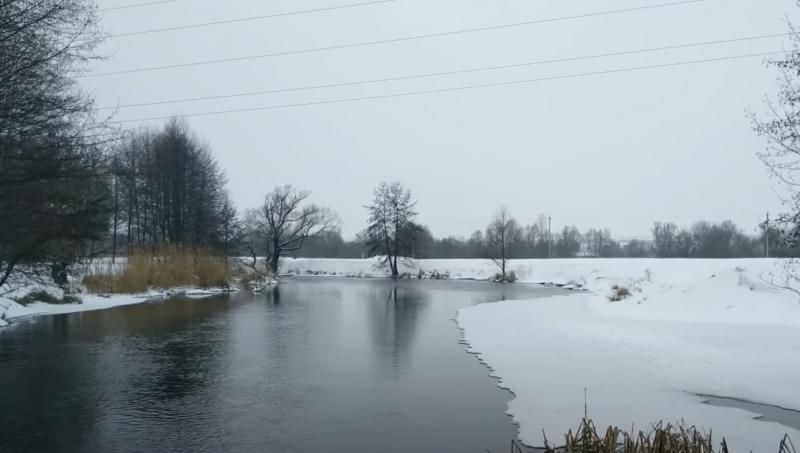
47 298
618 293
71 299
251 277
511 277
38 296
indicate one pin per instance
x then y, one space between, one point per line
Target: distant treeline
702 240
73 185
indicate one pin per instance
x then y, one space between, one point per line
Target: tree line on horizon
702 240
74 186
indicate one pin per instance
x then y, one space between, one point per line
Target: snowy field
689 327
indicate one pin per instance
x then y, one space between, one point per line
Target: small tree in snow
501 236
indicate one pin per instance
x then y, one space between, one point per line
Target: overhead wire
249 18
457 88
447 73
390 40
138 5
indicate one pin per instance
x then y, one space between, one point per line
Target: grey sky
614 151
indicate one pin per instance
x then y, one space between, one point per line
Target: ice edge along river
690 327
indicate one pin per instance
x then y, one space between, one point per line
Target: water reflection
394 312
311 365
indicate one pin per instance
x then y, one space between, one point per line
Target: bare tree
284 222
391 231
54 194
501 236
664 237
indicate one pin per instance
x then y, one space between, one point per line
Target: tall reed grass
168 267
659 438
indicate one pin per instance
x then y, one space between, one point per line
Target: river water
316 365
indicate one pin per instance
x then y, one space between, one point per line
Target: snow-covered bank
690 327
10 310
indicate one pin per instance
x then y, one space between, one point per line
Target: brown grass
659 439
618 293
168 267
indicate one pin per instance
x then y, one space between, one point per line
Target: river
316 365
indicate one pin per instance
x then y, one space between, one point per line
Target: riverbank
688 327
11 310
679 329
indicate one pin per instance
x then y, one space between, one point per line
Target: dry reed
659 439
168 267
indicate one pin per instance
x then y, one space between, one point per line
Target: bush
168 267
511 277
47 298
618 293
251 277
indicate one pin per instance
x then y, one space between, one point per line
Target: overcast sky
615 151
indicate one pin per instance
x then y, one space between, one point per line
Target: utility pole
766 235
549 237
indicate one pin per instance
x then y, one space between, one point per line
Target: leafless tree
391 230
781 129
54 194
501 236
664 239
169 189
285 221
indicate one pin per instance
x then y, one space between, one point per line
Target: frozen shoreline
91 302
689 327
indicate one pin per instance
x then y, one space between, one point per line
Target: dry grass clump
168 267
618 293
659 439
47 298
248 278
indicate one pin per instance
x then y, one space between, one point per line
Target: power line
138 5
459 88
392 40
249 19
446 73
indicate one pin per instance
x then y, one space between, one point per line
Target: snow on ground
689 327
9 310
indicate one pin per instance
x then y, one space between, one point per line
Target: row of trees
719 240
702 240
169 189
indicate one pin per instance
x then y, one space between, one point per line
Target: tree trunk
275 258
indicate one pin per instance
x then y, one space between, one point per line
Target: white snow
91 302
689 327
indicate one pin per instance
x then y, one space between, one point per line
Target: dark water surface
766 412
318 365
